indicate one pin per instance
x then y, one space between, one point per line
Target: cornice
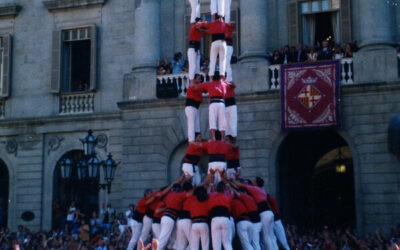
53 5
9 10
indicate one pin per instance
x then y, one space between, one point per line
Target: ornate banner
310 95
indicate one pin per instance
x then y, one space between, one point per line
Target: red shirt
193 153
141 206
157 215
214 88
194 93
249 202
216 147
230 91
239 210
216 27
274 205
174 200
257 193
220 200
195 34
198 209
229 30
232 153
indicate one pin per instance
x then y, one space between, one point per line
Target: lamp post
88 167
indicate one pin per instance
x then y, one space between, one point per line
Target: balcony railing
76 103
346 73
175 85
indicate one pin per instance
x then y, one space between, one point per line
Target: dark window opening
324 29
76 66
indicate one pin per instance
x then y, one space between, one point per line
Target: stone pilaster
252 67
253 29
140 84
376 61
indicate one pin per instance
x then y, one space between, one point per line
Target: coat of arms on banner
310 95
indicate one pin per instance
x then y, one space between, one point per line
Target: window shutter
93 59
7 63
56 62
293 21
345 21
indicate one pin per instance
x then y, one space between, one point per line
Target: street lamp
87 168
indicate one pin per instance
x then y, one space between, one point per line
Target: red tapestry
310 95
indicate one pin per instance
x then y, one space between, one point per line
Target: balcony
346 74
175 85
76 103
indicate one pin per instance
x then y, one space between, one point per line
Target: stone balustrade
346 73
179 81
76 103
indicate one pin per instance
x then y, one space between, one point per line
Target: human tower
190 212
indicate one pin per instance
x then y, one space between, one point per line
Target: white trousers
146 229
231 120
187 169
267 221
231 172
255 235
183 228
280 234
217 116
156 228
136 230
218 48
228 10
193 122
244 230
217 6
220 233
216 165
167 226
199 233
194 62
229 53
195 10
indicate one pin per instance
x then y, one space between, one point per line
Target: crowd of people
326 50
118 235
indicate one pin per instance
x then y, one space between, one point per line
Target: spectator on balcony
286 55
325 53
337 52
163 68
312 55
177 63
300 55
348 50
275 58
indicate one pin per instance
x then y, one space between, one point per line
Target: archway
65 190
316 180
4 190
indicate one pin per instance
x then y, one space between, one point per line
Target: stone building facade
43 113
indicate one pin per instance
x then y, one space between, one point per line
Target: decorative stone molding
54 143
102 141
11 146
9 10
53 5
